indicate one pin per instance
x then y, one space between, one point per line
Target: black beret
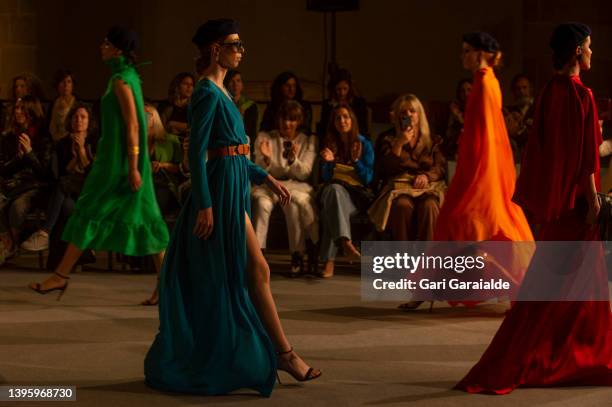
569 35
215 29
481 41
123 38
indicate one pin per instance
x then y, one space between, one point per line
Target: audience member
173 112
64 85
288 155
25 168
455 120
342 91
74 155
411 166
286 86
22 85
166 156
519 116
347 168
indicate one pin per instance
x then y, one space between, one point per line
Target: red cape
562 150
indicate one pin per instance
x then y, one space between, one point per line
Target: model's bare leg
71 256
261 295
158 259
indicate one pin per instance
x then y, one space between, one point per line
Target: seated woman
248 108
21 85
173 112
411 167
25 168
286 86
74 154
64 85
166 156
341 90
288 155
347 169
455 121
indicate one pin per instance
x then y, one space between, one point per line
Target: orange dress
478 205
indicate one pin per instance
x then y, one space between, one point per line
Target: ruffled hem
127 238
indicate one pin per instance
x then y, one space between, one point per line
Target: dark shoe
297 264
311 374
62 289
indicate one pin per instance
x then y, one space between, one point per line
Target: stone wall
18 40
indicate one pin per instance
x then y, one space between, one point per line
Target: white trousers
299 214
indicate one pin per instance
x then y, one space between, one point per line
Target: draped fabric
211 340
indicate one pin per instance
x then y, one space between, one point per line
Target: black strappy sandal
311 374
37 287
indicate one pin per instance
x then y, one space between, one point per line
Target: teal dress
210 338
108 215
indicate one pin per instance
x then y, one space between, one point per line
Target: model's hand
156 166
279 189
135 180
421 181
594 208
204 223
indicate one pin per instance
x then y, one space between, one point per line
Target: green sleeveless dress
108 215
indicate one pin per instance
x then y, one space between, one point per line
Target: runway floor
371 353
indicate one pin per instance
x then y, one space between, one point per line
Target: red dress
554 343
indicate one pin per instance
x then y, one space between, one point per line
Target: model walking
219 328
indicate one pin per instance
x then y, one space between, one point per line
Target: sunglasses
238 46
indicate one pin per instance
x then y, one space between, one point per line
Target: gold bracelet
135 150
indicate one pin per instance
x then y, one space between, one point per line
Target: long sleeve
365 166
202 113
257 175
437 170
301 168
40 159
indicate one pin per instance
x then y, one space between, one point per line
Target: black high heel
36 287
311 374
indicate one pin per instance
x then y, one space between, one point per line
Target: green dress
108 214
210 339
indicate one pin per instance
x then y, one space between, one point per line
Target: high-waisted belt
241 149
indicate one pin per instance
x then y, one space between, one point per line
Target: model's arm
125 97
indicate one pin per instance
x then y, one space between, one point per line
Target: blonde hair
415 104
158 131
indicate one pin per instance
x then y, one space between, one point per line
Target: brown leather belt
241 149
